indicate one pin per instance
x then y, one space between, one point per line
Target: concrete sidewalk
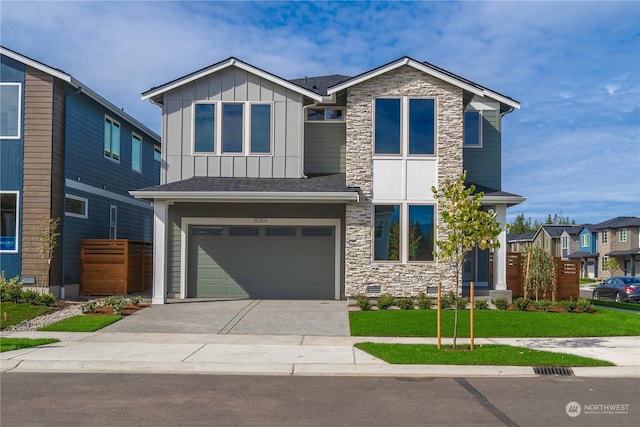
284 355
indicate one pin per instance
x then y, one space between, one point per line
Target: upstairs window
205 128
622 235
565 242
232 127
136 153
585 240
605 236
404 125
318 114
10 110
260 128
111 139
75 206
473 129
157 154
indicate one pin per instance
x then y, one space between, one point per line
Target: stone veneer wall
394 278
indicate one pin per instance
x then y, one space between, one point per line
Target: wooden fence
567 276
115 267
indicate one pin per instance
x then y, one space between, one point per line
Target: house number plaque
260 220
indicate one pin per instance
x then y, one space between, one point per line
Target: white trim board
261 222
69 183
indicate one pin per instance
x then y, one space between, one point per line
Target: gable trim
230 62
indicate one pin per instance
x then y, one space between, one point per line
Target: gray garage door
261 262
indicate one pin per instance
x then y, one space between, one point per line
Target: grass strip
16 313
488 354
624 305
82 323
494 323
10 344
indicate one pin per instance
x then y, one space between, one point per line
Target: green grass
82 323
587 280
624 305
497 355
16 313
9 344
494 323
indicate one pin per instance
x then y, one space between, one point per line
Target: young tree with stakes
466 226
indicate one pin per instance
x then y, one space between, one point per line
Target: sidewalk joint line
193 352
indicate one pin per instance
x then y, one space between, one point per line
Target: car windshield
631 280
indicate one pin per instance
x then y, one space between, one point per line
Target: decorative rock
45 320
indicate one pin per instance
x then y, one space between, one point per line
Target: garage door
261 262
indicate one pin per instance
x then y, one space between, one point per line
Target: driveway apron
242 317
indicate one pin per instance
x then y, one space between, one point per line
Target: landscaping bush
137 300
521 304
501 303
363 302
116 303
584 305
88 307
10 290
385 301
424 302
568 304
481 304
46 299
405 303
462 303
543 304
447 300
30 296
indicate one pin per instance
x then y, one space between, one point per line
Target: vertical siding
232 84
11 153
324 148
483 165
37 167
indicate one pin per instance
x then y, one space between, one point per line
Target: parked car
620 288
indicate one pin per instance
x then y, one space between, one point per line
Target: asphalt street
39 399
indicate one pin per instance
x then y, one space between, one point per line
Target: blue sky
574 147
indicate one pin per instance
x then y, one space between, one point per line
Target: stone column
159 295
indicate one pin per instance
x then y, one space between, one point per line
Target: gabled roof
323 188
574 230
618 222
155 92
523 237
432 70
320 84
59 74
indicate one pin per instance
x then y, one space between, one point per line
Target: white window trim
585 240
246 129
480 120
17 249
19 135
604 236
626 237
404 128
189 221
324 110
113 208
139 138
158 150
565 242
404 230
80 199
110 157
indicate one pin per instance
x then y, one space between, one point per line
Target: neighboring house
548 238
620 238
580 242
517 242
318 187
66 152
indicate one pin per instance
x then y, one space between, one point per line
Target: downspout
62 211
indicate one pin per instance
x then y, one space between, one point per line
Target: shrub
521 304
88 307
481 304
116 303
363 302
405 303
424 302
462 303
584 305
447 300
543 304
10 290
46 299
137 300
501 303
30 296
385 301
569 305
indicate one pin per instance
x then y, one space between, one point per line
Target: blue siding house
68 153
587 251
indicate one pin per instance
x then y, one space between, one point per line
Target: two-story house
548 238
580 242
619 238
518 241
318 187
67 153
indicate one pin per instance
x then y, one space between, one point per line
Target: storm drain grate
558 371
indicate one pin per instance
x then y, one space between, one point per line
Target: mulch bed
128 309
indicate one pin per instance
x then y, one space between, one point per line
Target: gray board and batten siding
242 210
483 165
232 84
325 148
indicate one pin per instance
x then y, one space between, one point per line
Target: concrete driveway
241 317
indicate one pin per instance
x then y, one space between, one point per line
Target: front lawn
494 323
624 305
10 344
490 354
16 313
82 323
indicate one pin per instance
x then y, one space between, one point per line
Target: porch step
478 293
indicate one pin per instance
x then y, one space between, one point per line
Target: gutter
247 197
